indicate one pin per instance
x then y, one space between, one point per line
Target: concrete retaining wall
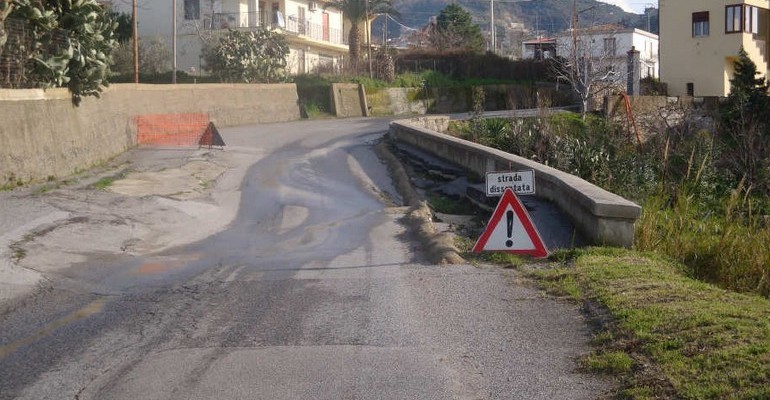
605 218
349 100
402 101
42 134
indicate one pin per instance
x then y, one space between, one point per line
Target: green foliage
745 131
163 78
477 115
593 149
451 205
248 57
73 44
728 248
460 65
104 183
314 93
693 210
124 30
355 11
455 30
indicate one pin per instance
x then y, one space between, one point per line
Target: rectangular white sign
521 182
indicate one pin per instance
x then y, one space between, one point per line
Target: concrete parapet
43 134
605 218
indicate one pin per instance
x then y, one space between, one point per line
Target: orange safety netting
171 129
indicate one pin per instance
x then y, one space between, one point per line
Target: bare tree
589 63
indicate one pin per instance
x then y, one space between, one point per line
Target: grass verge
667 335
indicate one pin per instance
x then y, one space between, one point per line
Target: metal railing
251 19
263 18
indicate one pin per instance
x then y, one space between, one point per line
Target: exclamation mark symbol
509 216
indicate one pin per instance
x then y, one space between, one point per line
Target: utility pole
385 35
173 41
135 24
492 25
369 38
574 26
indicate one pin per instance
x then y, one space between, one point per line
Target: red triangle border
510 198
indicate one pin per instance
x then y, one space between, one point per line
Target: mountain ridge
542 16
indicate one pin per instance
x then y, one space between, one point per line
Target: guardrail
603 217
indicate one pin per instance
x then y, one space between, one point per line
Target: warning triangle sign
211 137
511 230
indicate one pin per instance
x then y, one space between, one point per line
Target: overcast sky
636 6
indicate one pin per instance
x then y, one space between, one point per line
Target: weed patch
612 362
104 183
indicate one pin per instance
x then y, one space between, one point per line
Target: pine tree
745 126
747 88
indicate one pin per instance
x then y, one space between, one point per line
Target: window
690 89
733 19
700 24
609 46
750 19
741 18
192 9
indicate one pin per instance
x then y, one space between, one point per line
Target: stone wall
43 134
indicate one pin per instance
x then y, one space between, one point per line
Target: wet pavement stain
94 307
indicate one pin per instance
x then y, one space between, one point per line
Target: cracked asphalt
281 271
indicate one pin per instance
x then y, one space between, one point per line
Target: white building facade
317 37
605 46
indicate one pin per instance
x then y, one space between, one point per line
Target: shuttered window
700 24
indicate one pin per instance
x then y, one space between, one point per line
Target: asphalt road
315 291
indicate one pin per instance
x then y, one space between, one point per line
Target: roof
540 41
613 29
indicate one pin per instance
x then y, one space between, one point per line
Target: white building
607 46
317 37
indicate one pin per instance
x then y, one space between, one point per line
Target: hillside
547 16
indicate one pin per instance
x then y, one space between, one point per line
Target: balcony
263 18
253 19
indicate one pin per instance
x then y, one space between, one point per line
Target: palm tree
356 12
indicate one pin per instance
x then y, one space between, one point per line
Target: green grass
612 362
104 183
694 340
448 205
465 245
11 182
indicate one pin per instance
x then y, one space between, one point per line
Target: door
301 24
325 26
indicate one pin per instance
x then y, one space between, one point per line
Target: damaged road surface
310 288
